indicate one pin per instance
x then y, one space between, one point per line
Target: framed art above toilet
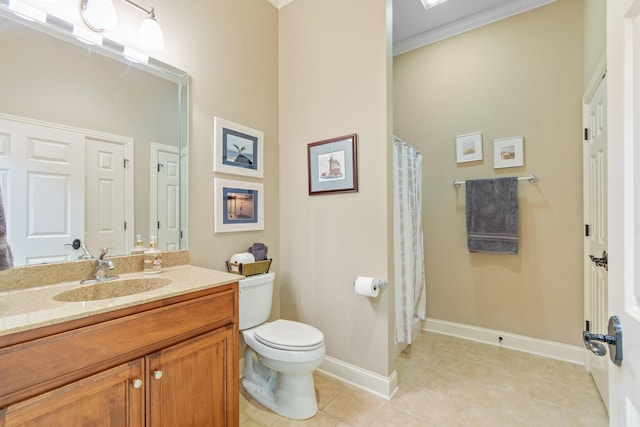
237 149
237 206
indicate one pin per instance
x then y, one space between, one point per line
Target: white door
166 206
623 64
43 171
595 218
106 192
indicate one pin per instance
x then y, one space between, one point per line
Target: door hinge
125 225
587 326
587 230
586 134
125 163
158 225
181 234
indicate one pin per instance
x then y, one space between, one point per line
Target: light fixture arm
149 12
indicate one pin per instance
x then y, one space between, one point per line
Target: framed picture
237 149
238 206
469 147
508 152
333 165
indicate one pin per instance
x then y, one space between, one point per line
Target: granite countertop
34 307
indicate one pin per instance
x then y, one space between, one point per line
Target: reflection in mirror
93 146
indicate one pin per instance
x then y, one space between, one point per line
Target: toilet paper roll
243 258
367 286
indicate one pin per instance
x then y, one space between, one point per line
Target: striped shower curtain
410 287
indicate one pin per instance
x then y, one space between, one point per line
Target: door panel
105 399
106 197
168 203
196 385
595 215
623 62
43 173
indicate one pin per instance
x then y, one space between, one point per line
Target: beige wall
520 76
230 50
595 29
334 82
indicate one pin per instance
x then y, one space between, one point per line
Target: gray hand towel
492 215
6 257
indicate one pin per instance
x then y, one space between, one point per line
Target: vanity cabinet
172 363
187 383
107 398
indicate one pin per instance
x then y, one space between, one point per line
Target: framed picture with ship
333 165
237 149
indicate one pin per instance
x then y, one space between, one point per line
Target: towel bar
531 178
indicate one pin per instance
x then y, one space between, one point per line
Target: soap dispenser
139 247
152 258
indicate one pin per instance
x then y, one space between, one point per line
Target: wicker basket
249 269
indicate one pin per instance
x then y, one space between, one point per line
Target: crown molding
467 24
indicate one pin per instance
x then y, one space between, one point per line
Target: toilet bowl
280 356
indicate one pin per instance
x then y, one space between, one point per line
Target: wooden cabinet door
194 383
105 399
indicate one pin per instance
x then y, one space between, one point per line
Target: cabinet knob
137 383
157 374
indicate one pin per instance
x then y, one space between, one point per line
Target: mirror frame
64 30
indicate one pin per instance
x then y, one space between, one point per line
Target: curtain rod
531 178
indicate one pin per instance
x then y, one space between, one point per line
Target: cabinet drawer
36 366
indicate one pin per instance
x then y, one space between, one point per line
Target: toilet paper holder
382 284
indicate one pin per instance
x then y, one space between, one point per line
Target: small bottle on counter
139 247
152 258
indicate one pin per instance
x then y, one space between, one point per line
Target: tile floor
447 382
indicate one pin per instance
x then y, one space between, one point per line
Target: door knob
613 339
137 383
602 261
157 374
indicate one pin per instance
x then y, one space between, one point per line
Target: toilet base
290 395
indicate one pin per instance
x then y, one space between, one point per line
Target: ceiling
414 27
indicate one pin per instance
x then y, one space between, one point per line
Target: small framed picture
333 165
238 206
508 152
469 147
237 149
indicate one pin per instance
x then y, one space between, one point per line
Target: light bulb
150 34
99 14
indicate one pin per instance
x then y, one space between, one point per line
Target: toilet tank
255 299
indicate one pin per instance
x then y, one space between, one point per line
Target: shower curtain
410 286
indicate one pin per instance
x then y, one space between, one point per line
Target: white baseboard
551 349
374 383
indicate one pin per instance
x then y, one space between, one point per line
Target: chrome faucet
85 252
102 265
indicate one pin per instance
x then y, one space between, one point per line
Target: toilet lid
289 335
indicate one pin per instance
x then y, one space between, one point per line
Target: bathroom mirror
93 145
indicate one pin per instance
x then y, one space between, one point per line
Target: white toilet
281 355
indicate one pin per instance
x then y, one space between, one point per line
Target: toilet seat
289 335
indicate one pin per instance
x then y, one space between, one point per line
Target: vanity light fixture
430 3
101 15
